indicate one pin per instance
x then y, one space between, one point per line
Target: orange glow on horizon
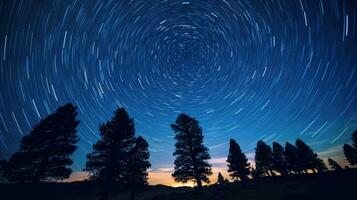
156 177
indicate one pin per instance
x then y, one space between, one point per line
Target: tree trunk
271 172
40 171
199 183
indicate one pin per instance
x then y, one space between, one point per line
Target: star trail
271 69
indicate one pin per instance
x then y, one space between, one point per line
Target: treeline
191 163
120 160
279 160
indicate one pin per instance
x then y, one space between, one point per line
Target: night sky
248 70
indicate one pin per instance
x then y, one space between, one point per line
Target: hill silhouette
324 185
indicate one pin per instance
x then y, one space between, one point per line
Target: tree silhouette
351 151
45 153
307 159
291 156
108 163
279 162
238 165
137 167
334 165
263 158
192 156
350 154
220 179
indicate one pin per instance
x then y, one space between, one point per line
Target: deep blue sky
248 70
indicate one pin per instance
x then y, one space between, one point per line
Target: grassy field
328 185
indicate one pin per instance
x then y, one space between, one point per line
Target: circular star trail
248 70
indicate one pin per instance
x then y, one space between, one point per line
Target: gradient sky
248 70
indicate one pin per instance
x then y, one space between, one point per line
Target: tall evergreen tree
307 159
108 163
238 165
291 156
220 179
263 158
45 153
279 162
305 156
138 165
192 156
334 165
351 151
350 154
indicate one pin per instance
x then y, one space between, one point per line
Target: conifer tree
45 153
220 179
291 156
263 158
279 161
334 165
307 159
350 154
108 163
351 151
192 156
138 165
238 165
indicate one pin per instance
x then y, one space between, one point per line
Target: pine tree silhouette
351 151
334 165
291 156
220 179
263 158
279 160
350 154
45 153
238 165
108 163
137 168
307 159
192 156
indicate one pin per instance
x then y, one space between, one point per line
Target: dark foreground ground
329 185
